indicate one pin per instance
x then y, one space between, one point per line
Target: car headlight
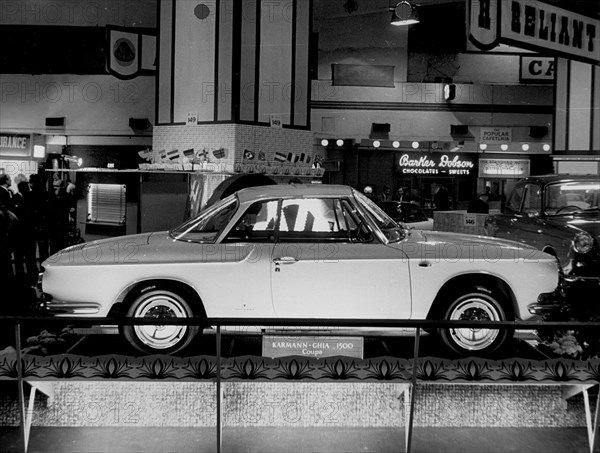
583 242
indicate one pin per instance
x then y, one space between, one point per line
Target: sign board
496 135
192 119
312 346
503 168
276 121
536 69
470 220
15 145
536 26
435 164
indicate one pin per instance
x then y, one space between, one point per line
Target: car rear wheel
477 304
159 303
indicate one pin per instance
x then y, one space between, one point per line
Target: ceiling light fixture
404 14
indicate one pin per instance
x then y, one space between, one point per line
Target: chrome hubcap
474 309
160 307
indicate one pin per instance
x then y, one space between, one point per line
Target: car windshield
392 231
568 197
208 224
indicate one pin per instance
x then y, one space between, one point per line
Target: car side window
209 224
532 202
257 224
312 220
516 197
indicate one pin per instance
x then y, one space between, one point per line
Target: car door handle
285 260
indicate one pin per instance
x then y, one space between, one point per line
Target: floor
298 440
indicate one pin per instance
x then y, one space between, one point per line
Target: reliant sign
15 145
435 164
534 25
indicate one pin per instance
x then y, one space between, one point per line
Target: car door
526 226
246 252
327 264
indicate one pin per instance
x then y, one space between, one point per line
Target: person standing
441 199
8 224
386 195
25 243
6 195
40 206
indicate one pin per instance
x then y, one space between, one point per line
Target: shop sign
497 135
536 26
435 164
503 168
536 69
309 346
15 145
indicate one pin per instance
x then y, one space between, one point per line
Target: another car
299 251
560 215
408 213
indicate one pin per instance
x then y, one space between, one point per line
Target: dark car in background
409 213
560 215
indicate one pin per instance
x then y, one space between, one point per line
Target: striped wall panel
243 62
577 107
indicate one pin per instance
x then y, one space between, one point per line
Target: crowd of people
34 223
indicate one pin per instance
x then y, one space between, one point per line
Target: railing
585 375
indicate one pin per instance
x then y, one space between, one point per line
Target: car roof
292 190
552 178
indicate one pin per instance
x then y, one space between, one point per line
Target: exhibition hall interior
299 225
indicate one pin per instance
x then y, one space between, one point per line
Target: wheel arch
131 292
490 282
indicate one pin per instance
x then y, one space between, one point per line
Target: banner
130 52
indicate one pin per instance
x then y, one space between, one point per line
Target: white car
299 251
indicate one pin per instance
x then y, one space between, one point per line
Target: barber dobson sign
536 26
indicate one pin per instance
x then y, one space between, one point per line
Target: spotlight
504 147
525 147
324 142
546 147
396 144
415 145
376 144
483 146
404 14
339 142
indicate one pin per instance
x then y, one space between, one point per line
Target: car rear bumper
62 308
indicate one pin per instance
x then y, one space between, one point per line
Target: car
560 215
409 213
298 252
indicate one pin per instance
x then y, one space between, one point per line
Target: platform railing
295 323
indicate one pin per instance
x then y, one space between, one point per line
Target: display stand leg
413 391
219 394
592 423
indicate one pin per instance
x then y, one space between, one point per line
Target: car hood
585 221
121 249
441 244
469 240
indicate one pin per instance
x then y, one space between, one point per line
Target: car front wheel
477 304
159 303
